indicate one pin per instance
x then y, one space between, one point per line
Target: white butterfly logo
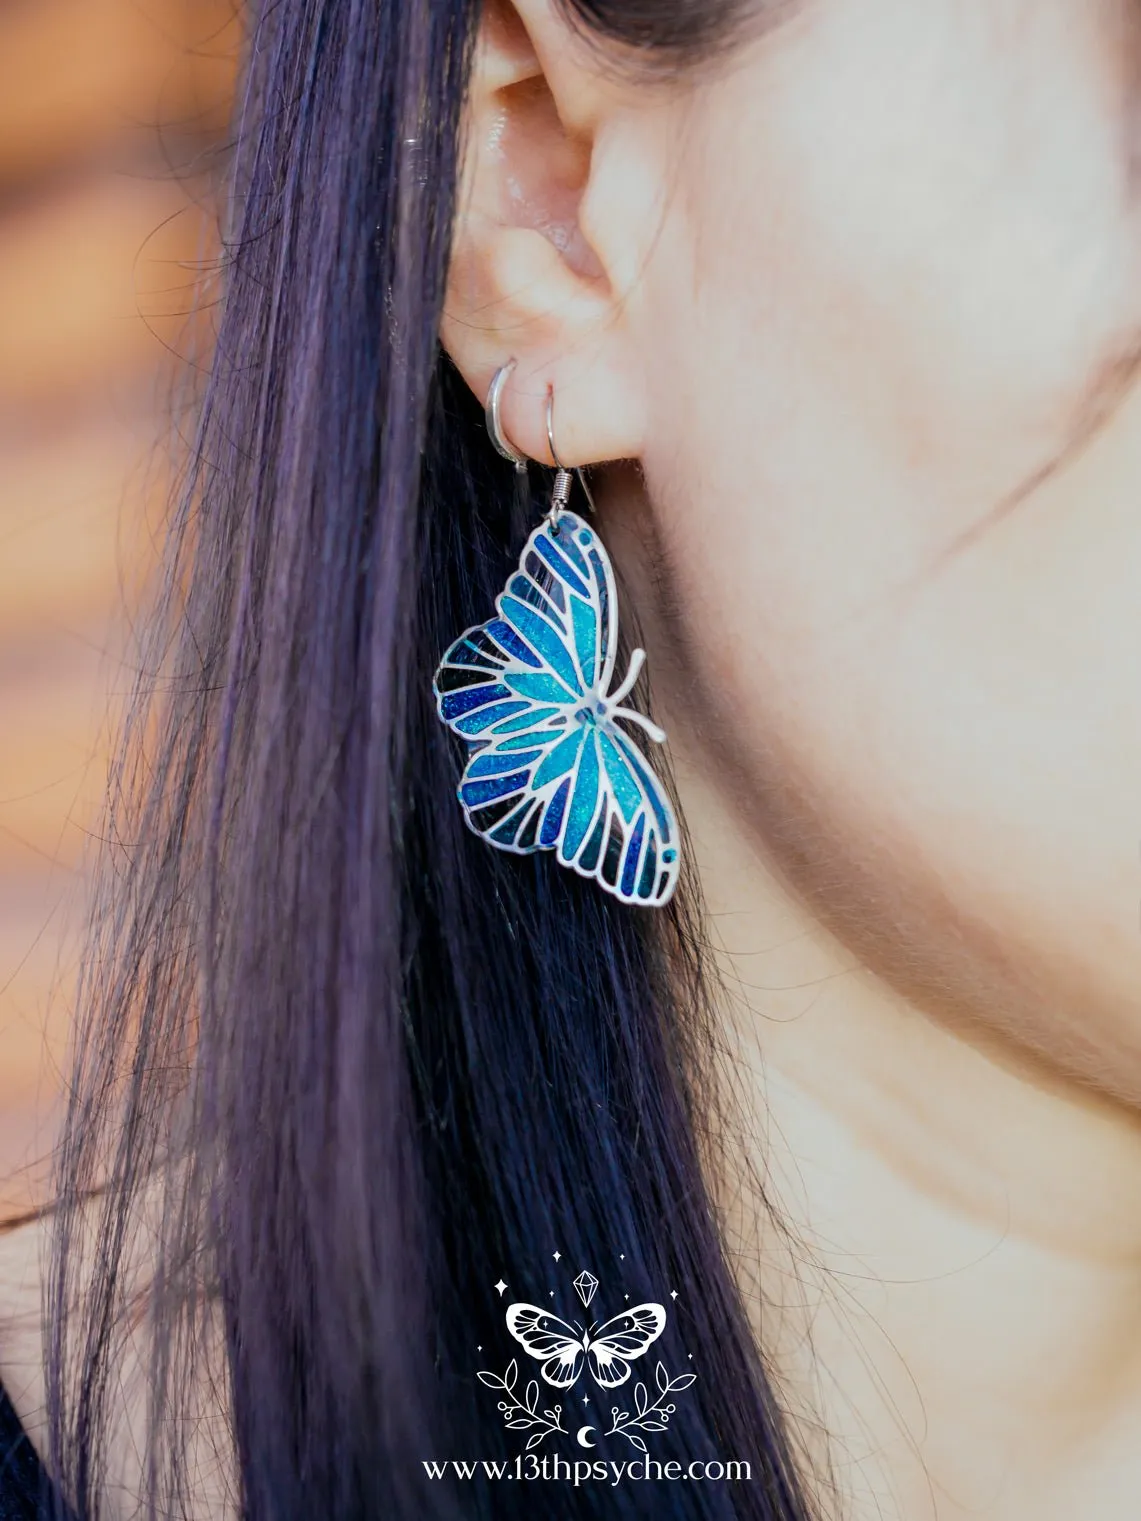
608 1349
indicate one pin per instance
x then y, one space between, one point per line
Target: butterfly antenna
637 661
633 671
631 715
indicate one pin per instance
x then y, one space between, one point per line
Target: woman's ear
526 281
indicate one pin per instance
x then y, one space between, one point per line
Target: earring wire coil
564 480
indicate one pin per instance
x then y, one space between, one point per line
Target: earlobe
525 282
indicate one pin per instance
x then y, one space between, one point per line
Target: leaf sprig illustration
644 1416
524 1414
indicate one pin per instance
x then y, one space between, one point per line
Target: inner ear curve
541 172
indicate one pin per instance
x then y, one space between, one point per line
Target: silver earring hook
551 430
495 421
560 495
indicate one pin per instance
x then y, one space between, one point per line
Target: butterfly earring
549 765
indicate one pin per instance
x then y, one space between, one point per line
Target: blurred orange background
113 117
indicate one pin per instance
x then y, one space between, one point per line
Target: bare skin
863 305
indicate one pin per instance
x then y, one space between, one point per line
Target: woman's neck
940 1238
956 1294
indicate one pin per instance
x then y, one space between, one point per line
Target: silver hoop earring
550 765
495 421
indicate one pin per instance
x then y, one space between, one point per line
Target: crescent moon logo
583 1437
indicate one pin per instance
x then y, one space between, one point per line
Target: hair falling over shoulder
341 1068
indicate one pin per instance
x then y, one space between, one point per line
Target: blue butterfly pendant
549 766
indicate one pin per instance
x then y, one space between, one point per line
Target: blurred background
112 129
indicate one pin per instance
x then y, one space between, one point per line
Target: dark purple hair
340 1066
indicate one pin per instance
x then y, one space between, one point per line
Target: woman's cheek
926 262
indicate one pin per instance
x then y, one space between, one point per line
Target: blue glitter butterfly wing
551 642
565 586
621 828
513 790
512 686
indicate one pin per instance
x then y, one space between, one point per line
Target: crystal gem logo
604 1351
586 1285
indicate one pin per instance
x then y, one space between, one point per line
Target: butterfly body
565 1349
550 766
